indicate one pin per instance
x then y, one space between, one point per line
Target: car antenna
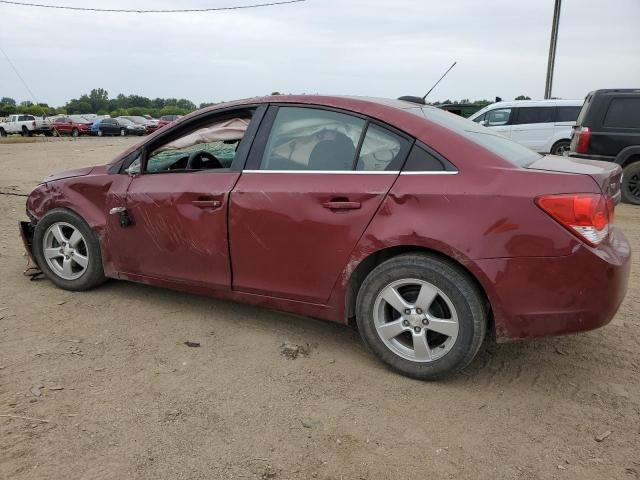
421 100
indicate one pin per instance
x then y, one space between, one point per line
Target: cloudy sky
363 47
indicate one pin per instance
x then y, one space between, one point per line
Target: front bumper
27 230
545 296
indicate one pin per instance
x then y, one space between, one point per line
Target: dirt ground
109 390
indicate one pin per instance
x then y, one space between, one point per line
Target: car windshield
141 120
79 119
126 122
509 150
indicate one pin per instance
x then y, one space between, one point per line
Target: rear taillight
34 123
586 215
584 134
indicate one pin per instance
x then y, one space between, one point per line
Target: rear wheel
631 183
67 251
25 132
560 147
3 133
100 132
123 132
75 132
421 315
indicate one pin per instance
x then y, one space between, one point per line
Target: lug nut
405 323
407 311
419 311
425 321
417 329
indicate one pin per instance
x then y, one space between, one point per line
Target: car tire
61 263
457 300
123 132
48 134
3 133
100 133
630 187
75 133
25 132
560 147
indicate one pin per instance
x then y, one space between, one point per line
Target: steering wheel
195 160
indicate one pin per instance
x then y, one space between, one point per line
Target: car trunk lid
607 175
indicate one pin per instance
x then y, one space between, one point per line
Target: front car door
313 182
177 207
499 120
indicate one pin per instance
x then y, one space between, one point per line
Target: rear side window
567 114
623 113
381 150
535 115
583 110
422 160
313 139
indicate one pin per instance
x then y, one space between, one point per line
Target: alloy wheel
416 320
65 251
633 185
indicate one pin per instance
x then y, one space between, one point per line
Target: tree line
98 101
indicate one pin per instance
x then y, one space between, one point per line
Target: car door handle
207 203
341 205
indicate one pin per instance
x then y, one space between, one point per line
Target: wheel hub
415 319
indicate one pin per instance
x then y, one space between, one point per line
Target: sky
356 47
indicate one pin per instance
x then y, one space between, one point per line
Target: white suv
541 125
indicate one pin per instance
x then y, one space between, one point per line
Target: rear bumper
544 296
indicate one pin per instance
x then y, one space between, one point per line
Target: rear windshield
509 150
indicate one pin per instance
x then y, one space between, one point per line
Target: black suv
608 128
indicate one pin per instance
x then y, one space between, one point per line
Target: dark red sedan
428 230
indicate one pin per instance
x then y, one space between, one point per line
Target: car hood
76 172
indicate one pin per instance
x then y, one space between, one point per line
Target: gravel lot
117 394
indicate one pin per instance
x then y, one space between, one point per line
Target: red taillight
586 215
582 145
34 123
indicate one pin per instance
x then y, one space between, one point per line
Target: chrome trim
436 172
332 172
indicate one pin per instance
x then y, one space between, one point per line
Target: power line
122 10
33 97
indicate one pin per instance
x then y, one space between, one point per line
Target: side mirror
484 123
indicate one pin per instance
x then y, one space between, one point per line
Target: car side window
567 114
527 115
623 113
312 139
207 147
480 118
498 117
381 150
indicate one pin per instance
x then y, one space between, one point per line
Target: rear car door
534 127
175 211
313 182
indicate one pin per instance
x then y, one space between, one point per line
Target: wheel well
372 261
632 159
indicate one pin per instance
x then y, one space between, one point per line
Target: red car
71 126
428 230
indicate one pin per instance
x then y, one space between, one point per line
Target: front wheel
123 132
100 133
3 133
75 133
630 187
422 315
67 251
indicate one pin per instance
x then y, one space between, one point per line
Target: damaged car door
313 181
172 222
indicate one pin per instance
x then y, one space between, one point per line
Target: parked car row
77 125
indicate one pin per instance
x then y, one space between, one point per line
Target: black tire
630 187
48 134
123 132
75 133
100 133
94 273
25 132
451 279
560 147
2 132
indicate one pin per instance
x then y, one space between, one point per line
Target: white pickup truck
25 125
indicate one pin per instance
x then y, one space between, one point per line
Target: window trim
512 116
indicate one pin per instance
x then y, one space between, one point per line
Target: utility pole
552 49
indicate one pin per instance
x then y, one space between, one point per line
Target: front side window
498 117
312 139
480 118
212 146
528 115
